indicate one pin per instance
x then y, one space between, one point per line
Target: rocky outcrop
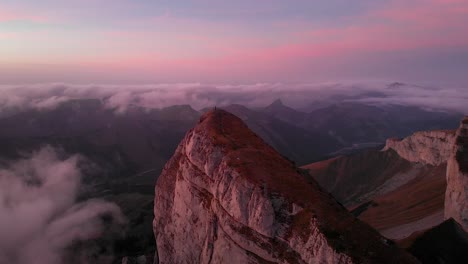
456 196
427 147
227 197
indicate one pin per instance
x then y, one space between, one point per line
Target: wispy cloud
40 217
11 15
170 42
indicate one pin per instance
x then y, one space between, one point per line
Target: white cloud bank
120 97
39 214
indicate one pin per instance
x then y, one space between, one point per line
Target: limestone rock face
456 196
227 197
427 147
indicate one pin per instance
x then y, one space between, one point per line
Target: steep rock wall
456 196
227 197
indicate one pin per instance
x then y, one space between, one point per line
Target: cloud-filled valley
40 217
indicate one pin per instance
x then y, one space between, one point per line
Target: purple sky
244 41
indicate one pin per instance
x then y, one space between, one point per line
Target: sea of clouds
299 95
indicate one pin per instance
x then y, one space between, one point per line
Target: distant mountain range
354 123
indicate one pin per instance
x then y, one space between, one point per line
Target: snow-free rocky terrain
227 197
412 185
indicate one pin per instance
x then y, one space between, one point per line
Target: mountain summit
285 113
277 103
227 197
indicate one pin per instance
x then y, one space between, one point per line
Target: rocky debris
227 197
456 196
427 147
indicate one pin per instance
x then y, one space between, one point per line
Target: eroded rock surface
227 197
427 147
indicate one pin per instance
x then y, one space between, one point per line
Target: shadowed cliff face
456 196
445 243
227 197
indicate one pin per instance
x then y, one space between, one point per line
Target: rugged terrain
390 193
127 149
226 196
412 185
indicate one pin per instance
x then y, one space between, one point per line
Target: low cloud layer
39 215
120 97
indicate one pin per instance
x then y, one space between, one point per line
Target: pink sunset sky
144 41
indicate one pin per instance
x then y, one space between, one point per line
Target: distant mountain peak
277 102
395 85
283 112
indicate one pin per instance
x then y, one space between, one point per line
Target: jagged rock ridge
427 147
456 196
227 197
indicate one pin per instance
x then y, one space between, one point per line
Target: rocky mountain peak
456 196
278 107
277 103
285 113
226 196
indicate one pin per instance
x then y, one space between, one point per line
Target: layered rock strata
427 147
